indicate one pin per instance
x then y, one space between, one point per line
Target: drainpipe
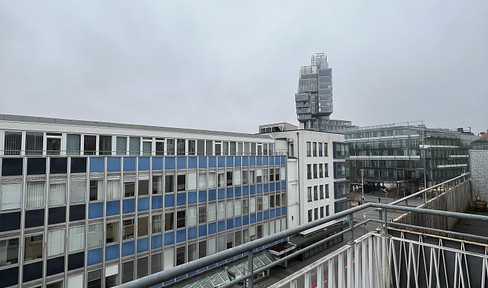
299 182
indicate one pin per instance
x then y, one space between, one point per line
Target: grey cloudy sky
232 65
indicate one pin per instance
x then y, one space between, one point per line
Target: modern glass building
90 204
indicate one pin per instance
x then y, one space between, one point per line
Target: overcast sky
232 65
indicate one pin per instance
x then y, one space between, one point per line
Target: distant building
277 127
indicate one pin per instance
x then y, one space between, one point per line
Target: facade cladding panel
88 199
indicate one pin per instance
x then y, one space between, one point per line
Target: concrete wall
479 172
456 199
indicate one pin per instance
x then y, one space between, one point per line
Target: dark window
105 145
169 221
180 144
90 145
181 183
180 219
36 166
77 212
78 165
159 147
34 218
59 165
229 178
57 215
180 255
169 183
53 145
55 265
9 277
143 187
12 166
142 267
127 271
202 249
9 221
155 263
32 271
76 261
95 279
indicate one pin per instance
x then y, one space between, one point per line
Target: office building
91 204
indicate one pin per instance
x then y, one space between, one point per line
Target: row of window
320 192
315 171
317 149
313 214
75 144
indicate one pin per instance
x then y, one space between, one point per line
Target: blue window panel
266 215
237 191
130 164
259 161
283 185
212 195
128 248
129 206
278 186
260 216
168 282
221 161
271 213
156 241
253 218
271 160
212 162
180 277
202 162
212 228
221 226
283 210
278 212
238 221
245 220
113 208
143 163
202 270
192 233
169 200
221 193
181 199
95 210
266 187
202 196
271 187
181 162
113 164
230 161
230 223
157 163
112 252
283 160
192 197
169 238
143 204
259 188
245 161
202 230
157 202
265 160
142 244
181 235
192 162
230 192
253 189
95 256
212 266
237 161
169 163
252 160
245 190
97 164
192 273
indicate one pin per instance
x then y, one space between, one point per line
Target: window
314 149
155 263
321 188
96 190
209 147
181 183
202 214
212 213
76 238
278 202
211 180
191 147
180 255
57 194
230 209
159 147
180 145
309 149
237 177
113 189
13 143
221 243
309 194
9 251
259 175
327 191
105 145
315 171
11 195
121 146
252 205
127 271
315 193
192 216
233 148
142 226
128 229
169 183
230 240
157 224
310 215
192 251
146 146
316 213
245 177
180 219
237 207
90 145
78 190
260 203
33 144
157 184
112 232
309 171
53 143
265 202
202 181
134 146
221 180
170 147
326 153
321 170
202 249
327 210
192 181
321 149
201 147
35 194
221 211
271 201
95 235
169 221
129 186
245 206
143 185
322 212
33 247
229 178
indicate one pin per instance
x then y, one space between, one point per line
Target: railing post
425 196
251 269
380 212
406 201
351 225
386 223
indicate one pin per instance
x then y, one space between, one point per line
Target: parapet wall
479 172
456 199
